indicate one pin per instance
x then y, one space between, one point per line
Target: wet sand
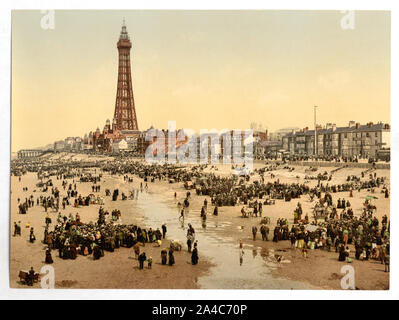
219 265
118 269
321 269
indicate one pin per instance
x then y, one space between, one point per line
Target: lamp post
315 132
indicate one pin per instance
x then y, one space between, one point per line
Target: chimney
370 124
357 125
351 123
319 127
386 126
334 127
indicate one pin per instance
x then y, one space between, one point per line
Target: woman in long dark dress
49 259
142 259
96 253
189 242
164 256
72 252
171 258
342 253
32 237
194 255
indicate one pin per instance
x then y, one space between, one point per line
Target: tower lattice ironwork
125 112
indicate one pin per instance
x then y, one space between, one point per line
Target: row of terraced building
355 140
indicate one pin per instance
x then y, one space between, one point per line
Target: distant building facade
70 144
29 153
59 145
279 134
355 140
119 145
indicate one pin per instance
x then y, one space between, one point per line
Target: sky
202 69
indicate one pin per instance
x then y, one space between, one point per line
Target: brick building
355 140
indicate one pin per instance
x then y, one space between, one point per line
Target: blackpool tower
125 112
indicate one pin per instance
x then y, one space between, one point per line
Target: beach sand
119 269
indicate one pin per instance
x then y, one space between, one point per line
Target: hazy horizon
203 69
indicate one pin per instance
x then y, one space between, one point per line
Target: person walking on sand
241 255
264 230
194 255
32 237
136 249
215 211
293 239
182 214
48 259
19 228
254 231
164 255
171 257
31 277
178 207
15 229
243 213
189 242
142 259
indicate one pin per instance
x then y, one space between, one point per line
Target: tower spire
124 35
125 113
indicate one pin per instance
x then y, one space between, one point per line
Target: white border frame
5 67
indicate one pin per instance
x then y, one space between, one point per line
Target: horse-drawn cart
24 277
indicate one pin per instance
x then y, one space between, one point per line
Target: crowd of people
339 230
369 237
